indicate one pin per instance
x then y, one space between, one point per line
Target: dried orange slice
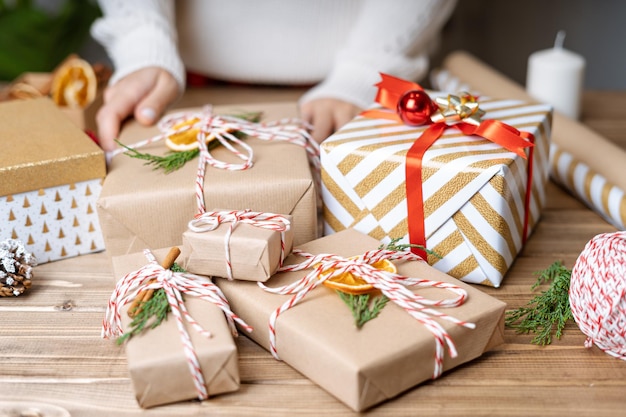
354 285
74 84
186 140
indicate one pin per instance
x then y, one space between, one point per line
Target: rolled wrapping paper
583 161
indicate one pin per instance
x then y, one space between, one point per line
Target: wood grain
52 352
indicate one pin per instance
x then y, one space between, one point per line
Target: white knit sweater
340 44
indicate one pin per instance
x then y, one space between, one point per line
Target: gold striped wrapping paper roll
586 183
592 188
474 190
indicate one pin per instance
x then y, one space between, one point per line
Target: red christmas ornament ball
415 108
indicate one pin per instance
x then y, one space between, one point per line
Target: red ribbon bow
391 91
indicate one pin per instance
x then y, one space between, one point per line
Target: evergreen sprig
174 160
400 247
169 162
363 309
547 310
151 313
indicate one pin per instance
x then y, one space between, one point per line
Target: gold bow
454 109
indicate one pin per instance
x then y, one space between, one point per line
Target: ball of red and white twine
597 293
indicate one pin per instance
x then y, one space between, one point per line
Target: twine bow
154 276
208 221
392 285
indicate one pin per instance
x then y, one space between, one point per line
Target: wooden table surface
52 351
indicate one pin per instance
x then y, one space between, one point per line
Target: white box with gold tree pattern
51 174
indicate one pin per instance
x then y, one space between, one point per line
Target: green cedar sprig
363 309
151 313
399 247
169 162
175 160
547 310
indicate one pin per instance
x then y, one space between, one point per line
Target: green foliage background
35 40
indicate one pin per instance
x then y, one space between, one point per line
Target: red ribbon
390 91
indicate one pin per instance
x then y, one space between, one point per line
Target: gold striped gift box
474 190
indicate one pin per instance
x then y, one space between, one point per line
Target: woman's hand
145 94
327 115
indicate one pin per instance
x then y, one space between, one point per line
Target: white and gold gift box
474 191
51 174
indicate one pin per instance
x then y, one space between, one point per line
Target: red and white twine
154 276
210 220
392 285
597 293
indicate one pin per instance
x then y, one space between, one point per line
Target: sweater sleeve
393 37
137 34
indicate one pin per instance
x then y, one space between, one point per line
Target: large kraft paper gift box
476 210
143 208
50 177
388 354
156 358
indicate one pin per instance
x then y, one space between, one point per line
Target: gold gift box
50 177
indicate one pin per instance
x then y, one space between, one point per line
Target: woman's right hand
144 94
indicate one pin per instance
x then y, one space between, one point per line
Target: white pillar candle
555 76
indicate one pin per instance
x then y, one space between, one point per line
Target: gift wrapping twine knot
597 293
210 220
392 285
154 276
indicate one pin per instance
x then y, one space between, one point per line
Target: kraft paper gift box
254 252
50 177
40 83
143 208
474 190
387 355
156 358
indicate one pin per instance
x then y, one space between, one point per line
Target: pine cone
16 266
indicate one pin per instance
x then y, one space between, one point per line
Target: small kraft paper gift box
50 178
430 324
136 198
189 355
459 175
74 85
237 244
